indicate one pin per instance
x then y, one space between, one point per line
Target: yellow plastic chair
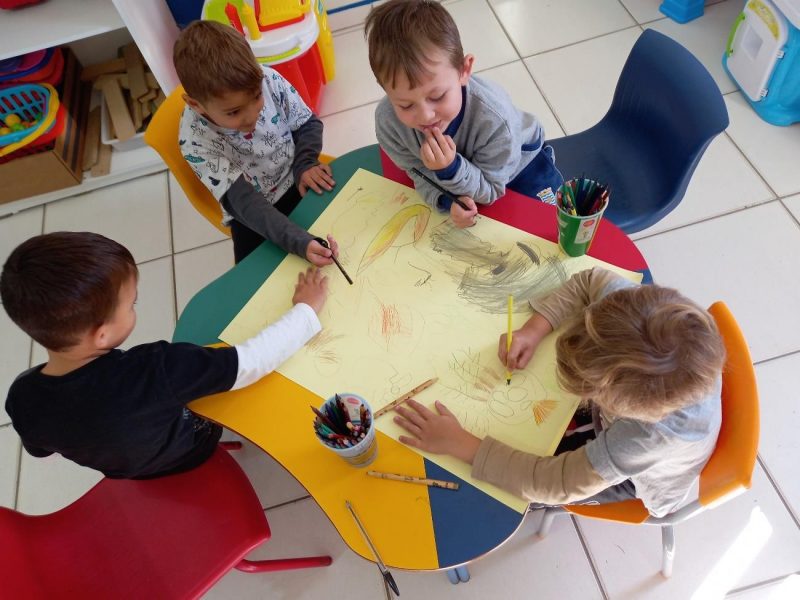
162 136
729 470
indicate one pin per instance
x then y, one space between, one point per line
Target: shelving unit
60 22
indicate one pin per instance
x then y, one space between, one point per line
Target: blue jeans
541 178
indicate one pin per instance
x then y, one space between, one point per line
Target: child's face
436 101
119 326
233 110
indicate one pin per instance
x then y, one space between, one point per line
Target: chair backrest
668 95
171 537
729 470
162 136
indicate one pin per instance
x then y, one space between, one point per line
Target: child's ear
469 61
99 336
192 103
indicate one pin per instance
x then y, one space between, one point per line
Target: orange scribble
542 410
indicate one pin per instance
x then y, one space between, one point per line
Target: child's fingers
502 349
412 416
325 175
443 410
434 145
408 426
413 442
334 246
327 169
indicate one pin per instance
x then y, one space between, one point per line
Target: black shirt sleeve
192 371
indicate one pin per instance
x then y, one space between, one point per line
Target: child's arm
548 479
307 170
264 352
248 206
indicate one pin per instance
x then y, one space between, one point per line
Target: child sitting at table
645 359
251 139
123 412
462 131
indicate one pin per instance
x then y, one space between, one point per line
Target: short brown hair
58 286
641 353
212 59
401 33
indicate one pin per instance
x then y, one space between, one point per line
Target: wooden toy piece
135 109
91 148
103 164
160 98
151 95
134 65
151 81
92 72
118 109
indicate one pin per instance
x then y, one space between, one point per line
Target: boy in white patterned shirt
251 139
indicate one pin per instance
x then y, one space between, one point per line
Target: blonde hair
401 33
212 59
641 353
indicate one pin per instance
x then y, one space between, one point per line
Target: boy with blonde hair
460 130
647 360
123 412
251 139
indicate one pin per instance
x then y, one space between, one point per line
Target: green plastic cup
575 232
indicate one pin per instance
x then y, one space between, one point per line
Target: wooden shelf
124 166
54 22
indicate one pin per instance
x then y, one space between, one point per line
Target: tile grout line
786 208
761 584
749 162
706 219
589 556
778 490
579 42
779 356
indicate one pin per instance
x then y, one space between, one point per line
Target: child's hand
464 218
523 345
320 256
438 151
316 178
437 432
311 289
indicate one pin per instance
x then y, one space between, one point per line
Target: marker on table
387 576
395 403
324 244
444 192
508 337
447 485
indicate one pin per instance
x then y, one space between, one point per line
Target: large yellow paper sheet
429 300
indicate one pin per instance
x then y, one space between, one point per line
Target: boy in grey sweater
461 131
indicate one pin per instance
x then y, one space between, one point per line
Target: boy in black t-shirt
123 412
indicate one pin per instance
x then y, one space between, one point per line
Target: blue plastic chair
665 112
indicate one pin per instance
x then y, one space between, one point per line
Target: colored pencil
395 403
447 485
443 191
324 244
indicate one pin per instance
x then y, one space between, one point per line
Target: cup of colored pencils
344 424
580 203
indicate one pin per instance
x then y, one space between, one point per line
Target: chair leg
668 543
230 446
283 564
547 521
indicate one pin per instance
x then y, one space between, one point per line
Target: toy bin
28 111
763 58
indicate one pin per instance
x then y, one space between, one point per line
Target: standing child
648 362
123 412
251 140
461 130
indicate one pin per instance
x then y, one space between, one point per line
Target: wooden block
91 148
122 80
151 95
151 80
118 110
92 72
146 111
135 108
160 98
135 68
103 164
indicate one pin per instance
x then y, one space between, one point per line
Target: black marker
444 192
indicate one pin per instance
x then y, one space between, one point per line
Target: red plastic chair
172 537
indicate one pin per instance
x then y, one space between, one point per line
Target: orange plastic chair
171 537
729 470
162 136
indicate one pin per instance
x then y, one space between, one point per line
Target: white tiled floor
742 206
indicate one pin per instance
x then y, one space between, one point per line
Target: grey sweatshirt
494 142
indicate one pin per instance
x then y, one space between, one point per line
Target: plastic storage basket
30 102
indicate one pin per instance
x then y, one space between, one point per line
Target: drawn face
436 101
234 110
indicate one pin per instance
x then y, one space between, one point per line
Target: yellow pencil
508 337
404 397
447 485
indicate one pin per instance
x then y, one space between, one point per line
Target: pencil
395 403
508 337
444 192
447 485
324 244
